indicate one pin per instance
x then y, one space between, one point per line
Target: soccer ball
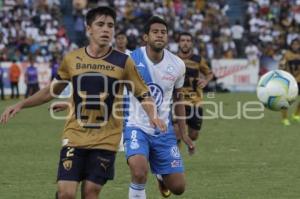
277 90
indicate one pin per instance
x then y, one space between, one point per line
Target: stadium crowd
36 27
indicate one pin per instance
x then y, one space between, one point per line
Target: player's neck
154 56
96 50
121 49
185 55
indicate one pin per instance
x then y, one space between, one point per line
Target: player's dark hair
294 40
99 11
120 33
152 20
292 43
185 34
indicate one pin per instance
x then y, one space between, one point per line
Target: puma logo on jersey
77 57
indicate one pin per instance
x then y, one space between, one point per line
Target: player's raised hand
191 146
10 112
158 123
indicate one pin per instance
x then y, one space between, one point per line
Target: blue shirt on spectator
32 75
1 73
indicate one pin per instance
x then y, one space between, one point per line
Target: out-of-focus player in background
291 63
197 77
121 42
121 45
92 134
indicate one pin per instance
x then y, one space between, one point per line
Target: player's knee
194 136
178 188
139 175
90 190
65 194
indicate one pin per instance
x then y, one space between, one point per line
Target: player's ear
145 37
88 30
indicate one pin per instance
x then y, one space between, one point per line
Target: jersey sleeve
138 88
180 80
63 70
203 67
283 62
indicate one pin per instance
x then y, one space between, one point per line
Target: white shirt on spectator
264 3
291 36
252 52
228 45
226 31
32 32
237 32
266 38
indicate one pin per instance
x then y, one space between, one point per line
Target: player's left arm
204 69
179 108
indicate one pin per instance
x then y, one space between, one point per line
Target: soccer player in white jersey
164 73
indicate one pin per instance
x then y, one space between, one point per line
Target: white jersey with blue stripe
161 79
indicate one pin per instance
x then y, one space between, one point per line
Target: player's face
296 46
157 38
101 30
185 44
121 41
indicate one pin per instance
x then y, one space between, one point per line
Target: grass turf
235 159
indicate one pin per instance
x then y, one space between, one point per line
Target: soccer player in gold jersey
197 77
92 134
291 63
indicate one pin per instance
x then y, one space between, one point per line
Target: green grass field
235 159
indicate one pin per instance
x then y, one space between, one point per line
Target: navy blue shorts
77 164
195 119
298 88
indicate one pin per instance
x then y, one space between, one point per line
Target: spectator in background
237 34
252 53
14 77
54 66
1 82
132 36
79 28
31 79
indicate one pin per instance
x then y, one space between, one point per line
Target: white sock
159 177
137 191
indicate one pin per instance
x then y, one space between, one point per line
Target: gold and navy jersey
291 63
195 67
96 114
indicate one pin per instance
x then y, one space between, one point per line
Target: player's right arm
141 92
43 96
